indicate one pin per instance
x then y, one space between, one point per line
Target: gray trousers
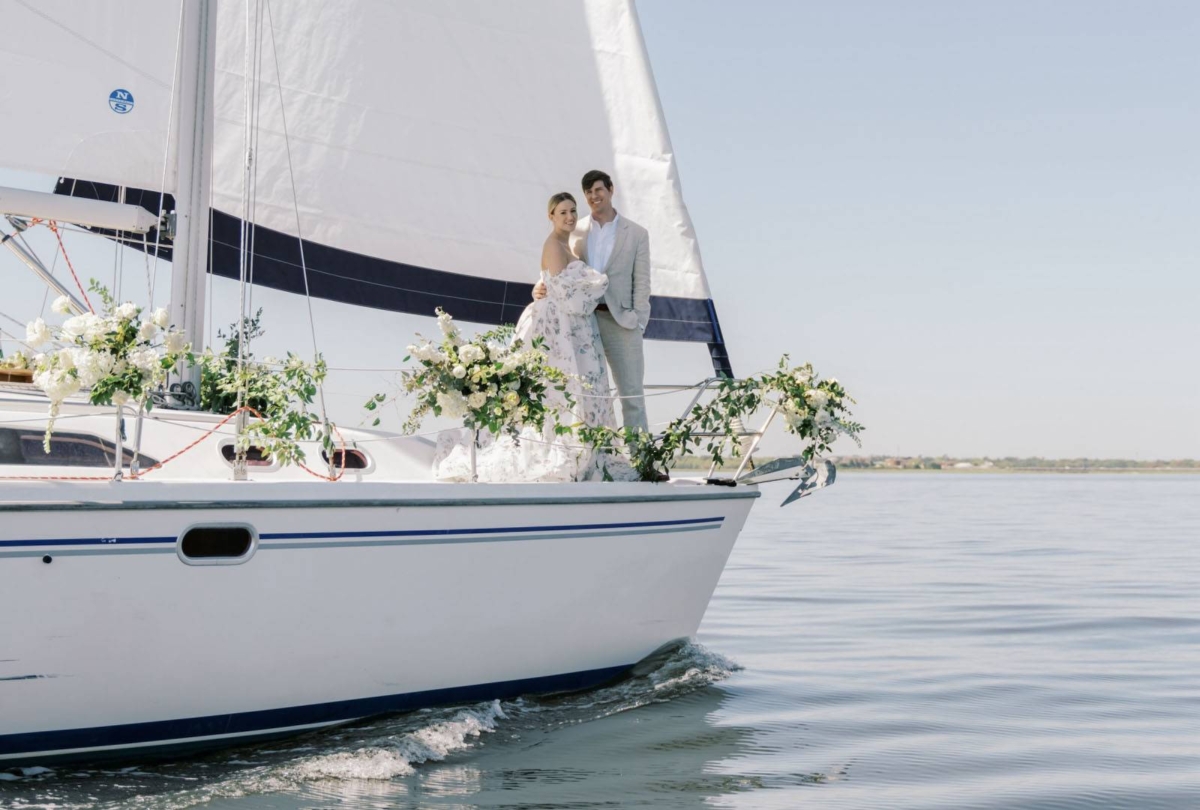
627 361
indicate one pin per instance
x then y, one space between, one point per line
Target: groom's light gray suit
628 302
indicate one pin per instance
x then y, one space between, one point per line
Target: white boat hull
395 597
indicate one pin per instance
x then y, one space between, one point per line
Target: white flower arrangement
490 382
813 409
114 355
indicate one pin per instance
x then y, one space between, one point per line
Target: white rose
477 400
37 333
147 331
127 311
175 342
459 372
74 327
62 305
816 398
802 376
120 398
95 327
160 318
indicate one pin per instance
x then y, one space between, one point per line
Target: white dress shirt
600 241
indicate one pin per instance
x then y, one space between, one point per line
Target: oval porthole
255 456
217 544
355 459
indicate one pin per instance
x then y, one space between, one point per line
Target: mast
193 128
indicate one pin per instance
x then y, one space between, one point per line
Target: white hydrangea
452 404
144 359
816 398
37 333
62 305
147 331
160 318
802 375
120 397
66 358
57 383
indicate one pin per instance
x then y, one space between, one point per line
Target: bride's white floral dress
565 320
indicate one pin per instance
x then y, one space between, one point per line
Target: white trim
177 741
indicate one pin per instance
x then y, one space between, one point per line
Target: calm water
896 641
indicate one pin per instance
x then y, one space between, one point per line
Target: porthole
355 459
217 544
255 456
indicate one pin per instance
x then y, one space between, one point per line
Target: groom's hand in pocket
539 291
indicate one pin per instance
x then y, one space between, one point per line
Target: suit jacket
628 271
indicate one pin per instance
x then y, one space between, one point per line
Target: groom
620 249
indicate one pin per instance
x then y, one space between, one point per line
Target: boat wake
379 751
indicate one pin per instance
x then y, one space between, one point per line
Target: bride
565 320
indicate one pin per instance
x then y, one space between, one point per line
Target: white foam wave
429 743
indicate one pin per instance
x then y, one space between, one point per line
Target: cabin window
21 446
255 456
217 544
355 459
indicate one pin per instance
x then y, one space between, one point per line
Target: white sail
87 86
430 135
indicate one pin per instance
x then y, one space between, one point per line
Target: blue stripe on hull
429 533
189 734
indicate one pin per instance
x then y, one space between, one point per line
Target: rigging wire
296 206
248 99
162 188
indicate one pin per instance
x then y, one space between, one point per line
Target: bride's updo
557 198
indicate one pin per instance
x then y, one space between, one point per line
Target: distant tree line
1012 463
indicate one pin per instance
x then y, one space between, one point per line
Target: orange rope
208 433
341 468
159 465
54 229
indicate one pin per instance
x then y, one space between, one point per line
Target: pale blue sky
981 217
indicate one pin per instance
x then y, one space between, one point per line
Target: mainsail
87 89
419 141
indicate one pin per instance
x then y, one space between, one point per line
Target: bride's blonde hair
557 198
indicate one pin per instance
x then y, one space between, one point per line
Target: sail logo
121 101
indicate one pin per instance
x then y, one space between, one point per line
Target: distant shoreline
979 466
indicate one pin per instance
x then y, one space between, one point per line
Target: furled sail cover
86 88
426 137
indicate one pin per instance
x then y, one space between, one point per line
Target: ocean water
895 641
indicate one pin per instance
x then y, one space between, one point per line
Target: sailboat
383 155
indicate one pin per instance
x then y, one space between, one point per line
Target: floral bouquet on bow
119 356
490 382
817 410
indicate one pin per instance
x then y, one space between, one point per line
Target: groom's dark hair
591 177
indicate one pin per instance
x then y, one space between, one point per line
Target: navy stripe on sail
367 281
